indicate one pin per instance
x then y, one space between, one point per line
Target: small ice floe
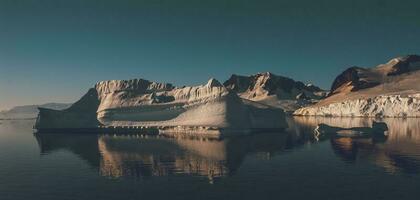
378 129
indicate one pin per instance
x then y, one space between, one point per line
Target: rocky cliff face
143 103
387 90
266 84
274 90
356 78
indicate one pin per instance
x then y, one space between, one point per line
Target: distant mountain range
30 111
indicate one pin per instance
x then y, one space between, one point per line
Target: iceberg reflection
142 156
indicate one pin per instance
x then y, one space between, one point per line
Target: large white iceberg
141 103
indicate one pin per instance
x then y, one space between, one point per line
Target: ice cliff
379 106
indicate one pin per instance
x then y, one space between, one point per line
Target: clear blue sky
54 50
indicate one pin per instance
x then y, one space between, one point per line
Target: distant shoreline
11 119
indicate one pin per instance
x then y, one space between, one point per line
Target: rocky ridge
274 90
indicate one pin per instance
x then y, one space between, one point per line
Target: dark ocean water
284 165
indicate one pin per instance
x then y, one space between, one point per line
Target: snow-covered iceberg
140 103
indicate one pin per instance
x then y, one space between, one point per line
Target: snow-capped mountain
387 90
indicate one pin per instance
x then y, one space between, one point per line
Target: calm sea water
286 165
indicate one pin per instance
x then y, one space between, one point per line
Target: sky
54 50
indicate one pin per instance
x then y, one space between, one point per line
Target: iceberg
143 105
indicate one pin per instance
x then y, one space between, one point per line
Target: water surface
286 165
